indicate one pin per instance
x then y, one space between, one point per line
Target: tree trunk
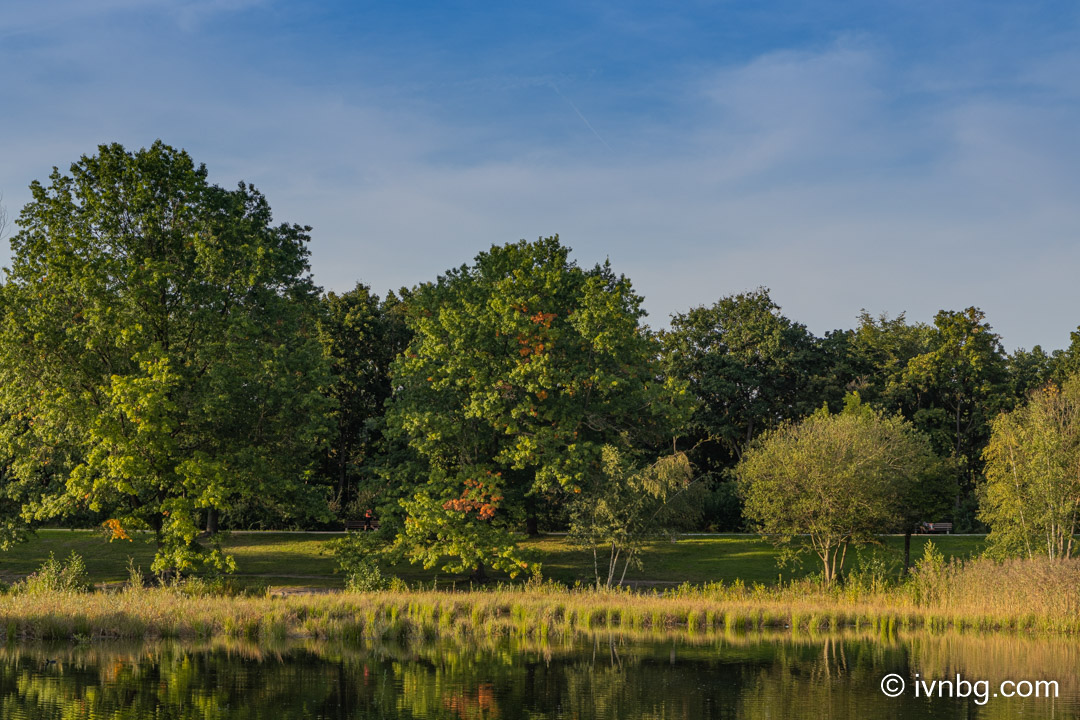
596 567
626 564
907 551
479 574
159 538
613 564
532 522
211 521
343 473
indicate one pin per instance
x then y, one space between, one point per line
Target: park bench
363 524
937 527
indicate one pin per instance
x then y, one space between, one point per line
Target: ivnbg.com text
894 686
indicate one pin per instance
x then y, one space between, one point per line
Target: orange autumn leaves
116 530
476 497
535 345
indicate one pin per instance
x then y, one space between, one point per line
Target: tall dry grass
979 595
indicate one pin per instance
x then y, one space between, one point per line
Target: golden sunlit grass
980 595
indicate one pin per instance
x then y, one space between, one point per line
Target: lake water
732 676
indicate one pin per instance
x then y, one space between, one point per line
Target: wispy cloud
844 174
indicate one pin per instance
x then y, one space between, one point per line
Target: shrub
870 576
364 575
355 555
57 576
930 577
136 579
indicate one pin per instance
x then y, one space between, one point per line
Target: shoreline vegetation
980 595
944 591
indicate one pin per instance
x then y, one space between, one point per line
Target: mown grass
726 558
1030 596
304 559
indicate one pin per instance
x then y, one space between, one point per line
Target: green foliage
136 580
56 576
750 366
721 506
158 356
832 480
1066 363
361 336
930 577
959 384
521 368
869 576
13 526
881 349
948 379
1029 370
357 557
627 505
750 369
365 577
1031 498
458 523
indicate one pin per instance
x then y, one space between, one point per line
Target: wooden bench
939 527
363 524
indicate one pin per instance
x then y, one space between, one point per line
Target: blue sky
894 156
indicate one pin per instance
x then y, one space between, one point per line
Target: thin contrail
583 118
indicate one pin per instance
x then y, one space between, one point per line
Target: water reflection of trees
728 677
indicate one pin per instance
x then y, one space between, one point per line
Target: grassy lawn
729 557
303 559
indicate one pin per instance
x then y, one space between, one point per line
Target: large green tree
1029 370
833 480
881 348
1031 498
361 335
880 351
522 367
1066 363
750 369
956 388
960 382
158 354
749 365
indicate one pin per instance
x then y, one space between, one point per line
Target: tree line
168 364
